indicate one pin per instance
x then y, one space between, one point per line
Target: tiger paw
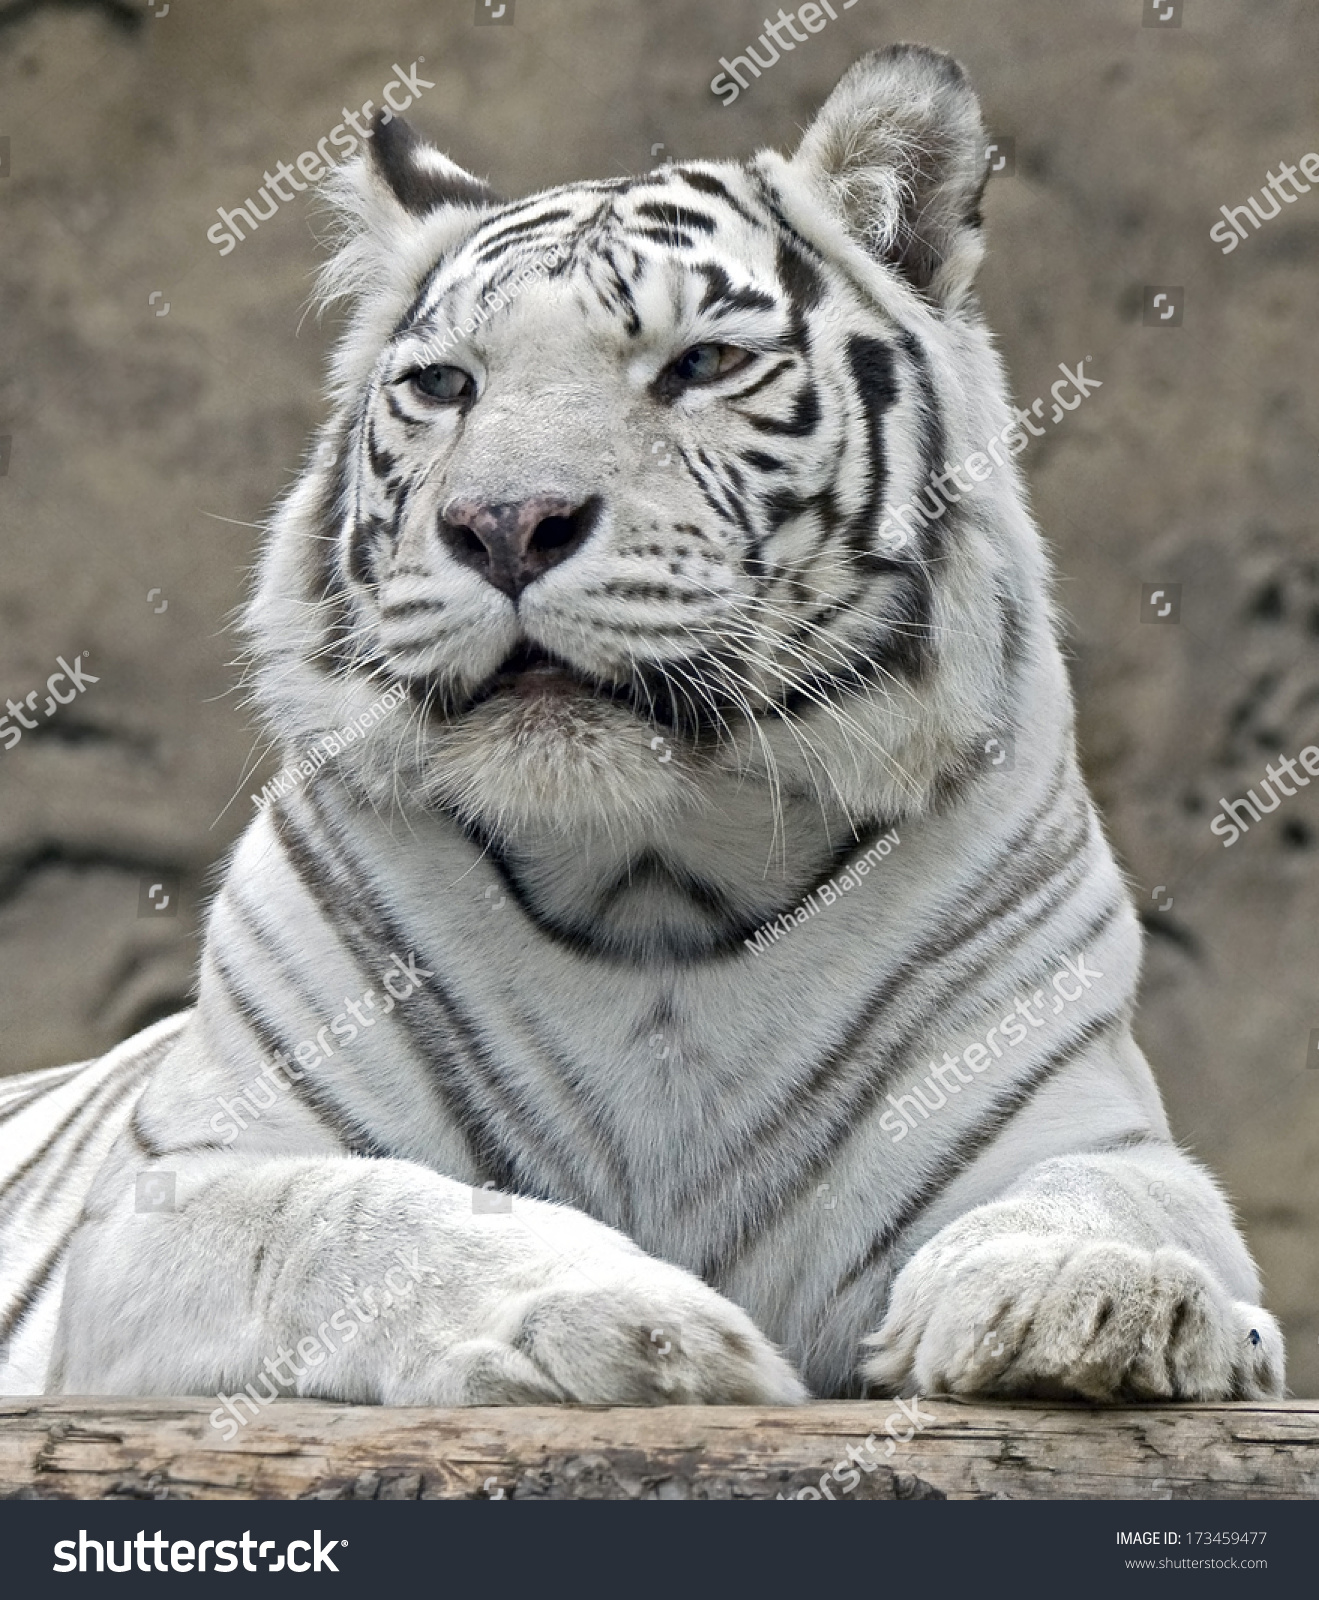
675 1342
1053 1316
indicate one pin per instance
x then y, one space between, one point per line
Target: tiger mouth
529 670
527 673
531 673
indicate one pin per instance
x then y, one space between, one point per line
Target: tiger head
617 494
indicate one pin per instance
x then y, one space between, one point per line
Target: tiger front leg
1106 1277
377 1282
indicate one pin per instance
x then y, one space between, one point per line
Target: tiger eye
705 362
442 383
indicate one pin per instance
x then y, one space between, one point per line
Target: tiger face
609 489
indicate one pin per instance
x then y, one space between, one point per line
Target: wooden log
102 1449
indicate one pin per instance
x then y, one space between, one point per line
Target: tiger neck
690 886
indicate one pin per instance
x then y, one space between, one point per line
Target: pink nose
512 544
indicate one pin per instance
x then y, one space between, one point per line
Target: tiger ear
898 151
420 178
397 210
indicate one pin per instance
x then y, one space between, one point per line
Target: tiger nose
512 543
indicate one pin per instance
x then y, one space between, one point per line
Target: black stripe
851 1101
118 1085
836 1124
382 461
903 643
32 1291
934 443
671 237
353 902
417 309
326 579
649 870
674 216
725 507
1013 885
622 589
368 536
726 477
795 262
21 1101
626 301
762 461
48 1145
761 382
977 1141
410 608
721 294
342 906
332 1116
805 418
909 647
68 1159
483 239
400 415
707 183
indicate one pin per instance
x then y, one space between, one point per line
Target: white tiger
500 1087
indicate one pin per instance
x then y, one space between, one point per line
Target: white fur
662 1104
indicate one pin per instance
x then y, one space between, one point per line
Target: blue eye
705 362
442 383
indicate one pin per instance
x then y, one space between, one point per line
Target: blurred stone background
146 446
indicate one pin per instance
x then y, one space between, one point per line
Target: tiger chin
661 996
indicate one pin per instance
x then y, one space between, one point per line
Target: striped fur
507 932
